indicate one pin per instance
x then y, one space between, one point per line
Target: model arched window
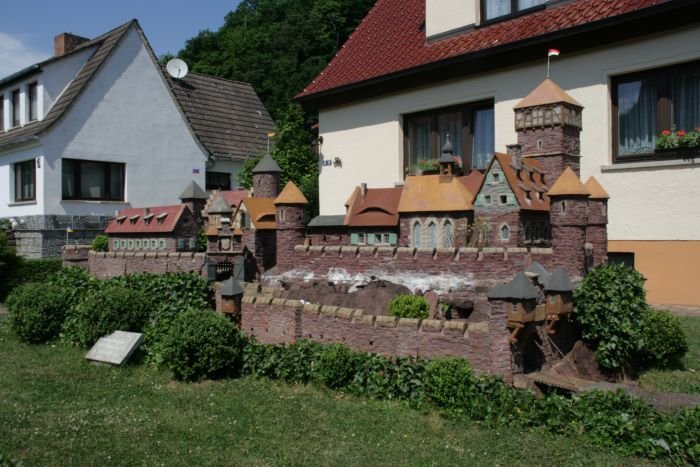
448 235
416 234
432 235
505 233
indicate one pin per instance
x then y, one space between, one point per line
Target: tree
293 153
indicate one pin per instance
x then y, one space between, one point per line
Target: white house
101 126
417 70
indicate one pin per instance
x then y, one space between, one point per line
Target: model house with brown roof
415 71
101 127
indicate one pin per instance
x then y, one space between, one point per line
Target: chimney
363 190
515 151
146 212
66 43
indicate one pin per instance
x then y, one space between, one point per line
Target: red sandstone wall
108 265
278 321
490 263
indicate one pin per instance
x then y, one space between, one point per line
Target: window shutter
180 243
193 243
392 239
354 239
511 199
480 200
370 239
489 178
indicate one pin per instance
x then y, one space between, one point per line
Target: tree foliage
278 46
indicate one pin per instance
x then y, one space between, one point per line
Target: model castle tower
548 123
597 228
291 223
195 198
266 178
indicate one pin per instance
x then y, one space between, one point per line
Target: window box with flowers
681 142
426 167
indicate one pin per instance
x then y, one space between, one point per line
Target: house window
25 181
88 180
154 244
416 234
470 128
122 244
15 108
193 243
131 244
33 101
115 244
625 259
492 9
487 199
647 103
218 181
163 244
138 244
503 199
2 112
448 235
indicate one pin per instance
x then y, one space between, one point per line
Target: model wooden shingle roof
433 193
262 212
548 92
391 40
596 189
520 288
568 184
377 208
291 194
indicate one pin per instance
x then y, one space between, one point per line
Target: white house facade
634 66
101 127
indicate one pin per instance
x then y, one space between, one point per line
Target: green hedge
15 271
663 342
37 311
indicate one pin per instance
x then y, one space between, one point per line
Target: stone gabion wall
45 236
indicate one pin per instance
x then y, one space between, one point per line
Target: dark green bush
37 311
610 305
663 341
100 243
409 306
109 307
337 366
202 344
449 382
76 282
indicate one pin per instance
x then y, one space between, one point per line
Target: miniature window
487 199
503 199
180 244
448 233
137 244
121 219
377 238
432 235
603 209
563 207
148 218
505 233
553 299
131 244
193 243
514 306
416 234
387 239
361 239
163 244
115 244
161 217
496 177
527 195
134 219
154 244
122 244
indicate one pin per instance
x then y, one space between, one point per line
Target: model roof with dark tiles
193 191
520 288
267 165
527 178
391 40
377 208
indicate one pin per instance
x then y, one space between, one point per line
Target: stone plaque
115 348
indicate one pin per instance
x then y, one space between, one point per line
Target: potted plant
674 140
426 167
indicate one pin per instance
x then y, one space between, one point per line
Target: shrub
663 341
409 306
100 243
336 366
449 382
610 305
299 362
202 344
37 311
109 307
76 282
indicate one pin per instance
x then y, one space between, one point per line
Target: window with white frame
32 101
15 109
2 112
25 180
505 233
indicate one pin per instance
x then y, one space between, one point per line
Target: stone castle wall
108 265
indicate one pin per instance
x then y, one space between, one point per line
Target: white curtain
484 138
685 96
496 8
418 140
451 124
636 107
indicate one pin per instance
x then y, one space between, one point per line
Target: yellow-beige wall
670 267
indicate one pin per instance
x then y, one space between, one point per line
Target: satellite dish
177 68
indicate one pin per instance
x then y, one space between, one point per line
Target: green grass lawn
686 379
57 409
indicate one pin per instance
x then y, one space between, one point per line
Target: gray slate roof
266 165
105 44
520 288
220 206
227 117
559 281
193 191
327 221
231 287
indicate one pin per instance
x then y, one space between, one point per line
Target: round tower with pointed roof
195 198
291 223
597 228
568 199
266 178
548 123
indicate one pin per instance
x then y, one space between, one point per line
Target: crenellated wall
108 265
486 263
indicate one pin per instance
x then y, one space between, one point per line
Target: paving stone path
680 310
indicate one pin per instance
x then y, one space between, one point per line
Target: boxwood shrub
37 311
202 344
409 306
663 342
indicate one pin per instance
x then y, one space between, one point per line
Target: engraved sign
116 348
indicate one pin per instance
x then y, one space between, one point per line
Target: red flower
680 133
665 132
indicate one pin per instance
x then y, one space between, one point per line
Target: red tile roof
378 208
391 38
234 197
138 225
